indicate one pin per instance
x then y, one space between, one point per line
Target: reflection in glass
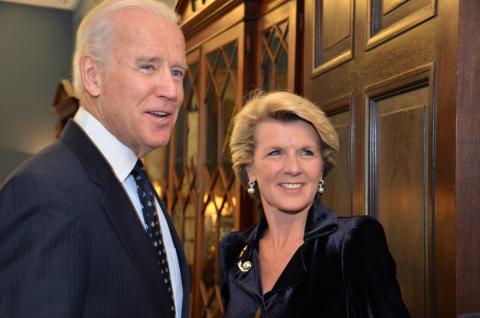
189 232
220 99
184 161
212 129
221 94
275 57
180 142
282 70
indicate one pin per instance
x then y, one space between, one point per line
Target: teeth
160 114
291 185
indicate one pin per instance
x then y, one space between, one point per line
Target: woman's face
287 165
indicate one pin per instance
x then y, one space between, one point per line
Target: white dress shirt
122 160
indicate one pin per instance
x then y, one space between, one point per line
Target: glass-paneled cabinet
233 47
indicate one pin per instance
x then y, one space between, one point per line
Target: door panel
333 34
390 145
388 18
338 182
400 165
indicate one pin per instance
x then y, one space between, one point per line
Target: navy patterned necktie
147 199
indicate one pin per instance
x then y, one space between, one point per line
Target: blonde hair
96 30
282 106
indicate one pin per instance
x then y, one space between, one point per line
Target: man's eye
177 73
274 153
147 68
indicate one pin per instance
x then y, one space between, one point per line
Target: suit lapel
121 213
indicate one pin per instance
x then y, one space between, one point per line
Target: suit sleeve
370 272
42 251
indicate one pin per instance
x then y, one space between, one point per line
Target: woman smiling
300 260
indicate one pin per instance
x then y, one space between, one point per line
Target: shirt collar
121 158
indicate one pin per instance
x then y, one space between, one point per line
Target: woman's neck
284 229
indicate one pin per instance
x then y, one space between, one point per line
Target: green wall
35 53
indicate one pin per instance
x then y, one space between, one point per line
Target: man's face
141 87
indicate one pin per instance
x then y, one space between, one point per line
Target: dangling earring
321 188
251 187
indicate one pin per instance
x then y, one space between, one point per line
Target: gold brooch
244 266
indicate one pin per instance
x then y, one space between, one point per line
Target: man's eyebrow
146 59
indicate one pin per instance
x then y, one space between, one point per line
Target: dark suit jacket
71 243
343 269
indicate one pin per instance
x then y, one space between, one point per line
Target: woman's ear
90 76
250 173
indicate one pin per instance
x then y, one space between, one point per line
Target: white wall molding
57 4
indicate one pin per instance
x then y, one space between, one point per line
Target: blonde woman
300 260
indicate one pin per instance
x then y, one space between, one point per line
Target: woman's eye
307 152
274 153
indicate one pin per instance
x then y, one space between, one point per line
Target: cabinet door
183 197
222 87
276 48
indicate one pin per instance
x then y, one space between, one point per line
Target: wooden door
381 70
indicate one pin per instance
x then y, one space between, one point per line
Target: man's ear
90 76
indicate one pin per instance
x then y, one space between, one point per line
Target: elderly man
82 233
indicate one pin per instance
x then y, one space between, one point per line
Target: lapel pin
244 266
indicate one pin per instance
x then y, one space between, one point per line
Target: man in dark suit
81 232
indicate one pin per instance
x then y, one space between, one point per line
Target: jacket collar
119 210
320 221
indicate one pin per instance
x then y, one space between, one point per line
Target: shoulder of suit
360 229
52 165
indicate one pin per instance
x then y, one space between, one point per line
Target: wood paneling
332 33
338 189
400 170
401 161
388 18
390 5
336 22
406 48
467 150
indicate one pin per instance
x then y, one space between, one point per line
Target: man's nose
167 85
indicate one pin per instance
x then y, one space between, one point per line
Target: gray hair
95 32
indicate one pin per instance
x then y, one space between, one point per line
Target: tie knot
138 172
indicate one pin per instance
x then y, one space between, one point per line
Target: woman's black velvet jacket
343 269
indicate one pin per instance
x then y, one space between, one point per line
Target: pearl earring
251 187
321 188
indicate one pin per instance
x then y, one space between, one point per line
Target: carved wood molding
376 38
343 47
207 16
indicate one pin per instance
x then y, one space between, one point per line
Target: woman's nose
292 165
